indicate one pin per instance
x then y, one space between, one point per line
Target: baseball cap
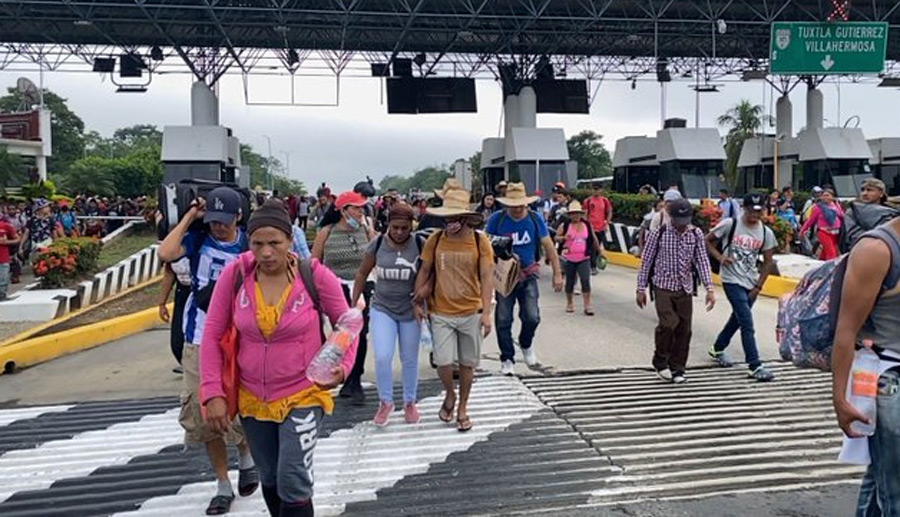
349 199
874 183
672 195
817 190
681 212
754 202
222 206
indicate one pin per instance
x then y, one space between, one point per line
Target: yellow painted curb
21 336
37 350
775 286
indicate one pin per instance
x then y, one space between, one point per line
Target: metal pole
775 164
269 161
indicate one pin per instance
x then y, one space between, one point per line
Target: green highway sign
818 48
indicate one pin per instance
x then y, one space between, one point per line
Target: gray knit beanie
272 213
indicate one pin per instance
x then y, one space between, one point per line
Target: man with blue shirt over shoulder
529 234
209 247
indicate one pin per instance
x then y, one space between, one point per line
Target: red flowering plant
65 260
783 231
707 217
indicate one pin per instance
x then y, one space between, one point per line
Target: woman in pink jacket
827 216
279 331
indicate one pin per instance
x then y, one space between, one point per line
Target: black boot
297 509
273 501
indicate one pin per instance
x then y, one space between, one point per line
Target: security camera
723 27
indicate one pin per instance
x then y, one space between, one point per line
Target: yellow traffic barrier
775 286
44 348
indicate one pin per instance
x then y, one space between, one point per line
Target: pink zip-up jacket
270 368
817 218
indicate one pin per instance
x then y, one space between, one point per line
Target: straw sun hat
456 202
515 196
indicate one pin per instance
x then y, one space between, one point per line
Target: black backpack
714 264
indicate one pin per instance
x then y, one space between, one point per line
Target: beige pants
457 339
191 418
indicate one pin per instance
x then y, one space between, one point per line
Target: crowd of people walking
252 295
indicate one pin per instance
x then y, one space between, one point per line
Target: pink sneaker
411 413
383 416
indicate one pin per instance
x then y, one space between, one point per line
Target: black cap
681 212
222 206
754 202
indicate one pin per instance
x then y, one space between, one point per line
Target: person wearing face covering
341 246
455 278
264 295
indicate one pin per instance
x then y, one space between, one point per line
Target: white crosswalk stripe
720 433
8 416
353 464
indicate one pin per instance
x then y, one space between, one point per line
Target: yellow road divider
37 350
775 286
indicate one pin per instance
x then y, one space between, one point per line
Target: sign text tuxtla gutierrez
818 48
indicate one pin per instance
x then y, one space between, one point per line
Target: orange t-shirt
597 209
457 286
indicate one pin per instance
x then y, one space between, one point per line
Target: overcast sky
341 144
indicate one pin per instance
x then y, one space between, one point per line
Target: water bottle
425 339
347 328
863 389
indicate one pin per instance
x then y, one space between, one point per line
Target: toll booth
635 164
885 162
537 157
493 165
208 153
821 156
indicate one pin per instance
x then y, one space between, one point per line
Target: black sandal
248 481
219 505
446 413
464 424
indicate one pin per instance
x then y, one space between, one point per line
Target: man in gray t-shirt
742 240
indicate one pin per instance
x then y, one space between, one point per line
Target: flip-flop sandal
446 413
219 505
464 424
589 312
248 481
570 309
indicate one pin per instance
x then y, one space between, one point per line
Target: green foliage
594 160
628 209
265 173
426 180
67 128
12 170
743 121
91 175
44 189
783 231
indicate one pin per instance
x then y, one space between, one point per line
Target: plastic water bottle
426 341
863 389
347 328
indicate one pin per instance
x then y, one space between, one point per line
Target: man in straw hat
530 234
455 278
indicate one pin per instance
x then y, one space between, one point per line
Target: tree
66 128
394 182
594 160
139 136
743 121
91 175
12 170
261 168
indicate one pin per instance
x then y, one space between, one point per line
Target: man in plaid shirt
673 255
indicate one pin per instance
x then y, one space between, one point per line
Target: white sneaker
679 379
665 375
530 356
576 291
508 368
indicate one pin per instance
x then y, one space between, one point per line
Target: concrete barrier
46 304
37 350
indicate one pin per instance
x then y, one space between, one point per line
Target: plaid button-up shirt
673 255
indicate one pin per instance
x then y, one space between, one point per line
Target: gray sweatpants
283 452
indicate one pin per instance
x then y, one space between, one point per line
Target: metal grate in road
720 433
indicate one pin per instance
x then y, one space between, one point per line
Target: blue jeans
4 280
879 494
385 330
741 319
526 293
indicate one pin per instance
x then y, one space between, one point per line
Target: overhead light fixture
132 88
722 26
293 58
281 29
156 53
420 59
889 82
706 88
82 23
754 75
104 64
